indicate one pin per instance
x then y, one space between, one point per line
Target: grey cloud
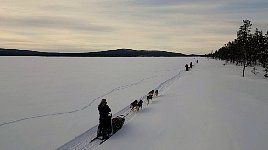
153 3
53 7
163 3
54 23
261 26
244 6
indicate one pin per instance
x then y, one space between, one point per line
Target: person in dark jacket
105 127
191 65
186 67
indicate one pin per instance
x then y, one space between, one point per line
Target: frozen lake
49 88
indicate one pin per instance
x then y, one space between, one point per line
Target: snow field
58 85
211 107
84 141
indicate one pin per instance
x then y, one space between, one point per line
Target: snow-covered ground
210 107
38 86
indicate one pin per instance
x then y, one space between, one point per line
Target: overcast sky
187 26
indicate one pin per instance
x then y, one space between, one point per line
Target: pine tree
265 55
243 36
246 49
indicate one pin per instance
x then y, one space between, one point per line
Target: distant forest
248 49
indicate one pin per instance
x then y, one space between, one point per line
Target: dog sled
106 132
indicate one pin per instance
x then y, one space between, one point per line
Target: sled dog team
137 105
108 125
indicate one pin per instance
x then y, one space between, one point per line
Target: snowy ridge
83 141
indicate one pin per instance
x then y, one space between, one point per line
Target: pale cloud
188 26
57 23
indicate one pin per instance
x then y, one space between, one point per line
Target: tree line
248 49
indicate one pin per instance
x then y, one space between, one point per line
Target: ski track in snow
85 107
83 141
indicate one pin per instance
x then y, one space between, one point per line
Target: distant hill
108 53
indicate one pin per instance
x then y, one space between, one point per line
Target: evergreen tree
264 58
247 49
243 35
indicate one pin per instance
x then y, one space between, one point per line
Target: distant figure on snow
105 127
186 67
191 65
196 61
